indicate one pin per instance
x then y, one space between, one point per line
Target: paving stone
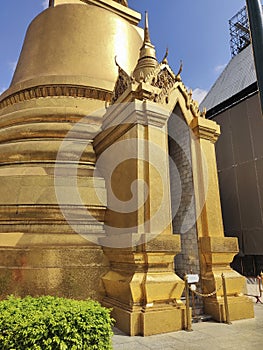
241 335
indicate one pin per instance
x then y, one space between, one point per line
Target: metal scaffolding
239 32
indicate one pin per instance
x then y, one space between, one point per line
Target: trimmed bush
46 323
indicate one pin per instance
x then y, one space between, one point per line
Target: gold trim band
56 91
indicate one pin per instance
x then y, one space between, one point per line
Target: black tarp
240 165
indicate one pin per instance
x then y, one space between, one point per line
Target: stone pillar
141 286
216 251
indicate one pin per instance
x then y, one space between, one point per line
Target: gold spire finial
147 61
146 29
147 48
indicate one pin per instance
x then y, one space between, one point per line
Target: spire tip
146 29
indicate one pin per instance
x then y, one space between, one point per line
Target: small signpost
192 279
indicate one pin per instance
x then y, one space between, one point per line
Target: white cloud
45 4
12 66
199 94
218 69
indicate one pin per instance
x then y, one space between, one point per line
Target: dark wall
240 165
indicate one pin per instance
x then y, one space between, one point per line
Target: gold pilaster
216 251
141 286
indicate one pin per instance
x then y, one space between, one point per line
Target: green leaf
53 323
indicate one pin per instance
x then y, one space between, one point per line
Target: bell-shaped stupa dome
75 43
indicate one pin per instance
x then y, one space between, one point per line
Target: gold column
141 286
216 251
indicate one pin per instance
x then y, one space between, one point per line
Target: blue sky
196 32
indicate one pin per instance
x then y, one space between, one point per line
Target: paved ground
240 335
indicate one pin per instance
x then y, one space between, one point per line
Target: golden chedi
66 71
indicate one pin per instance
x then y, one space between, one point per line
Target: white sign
192 278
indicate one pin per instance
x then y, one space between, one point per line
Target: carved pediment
157 86
164 79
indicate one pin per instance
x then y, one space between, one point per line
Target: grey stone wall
182 194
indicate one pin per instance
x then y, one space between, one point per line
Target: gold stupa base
61 270
149 320
240 307
217 253
142 288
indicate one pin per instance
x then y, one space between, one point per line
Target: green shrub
47 322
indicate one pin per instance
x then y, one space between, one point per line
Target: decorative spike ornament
147 61
164 60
